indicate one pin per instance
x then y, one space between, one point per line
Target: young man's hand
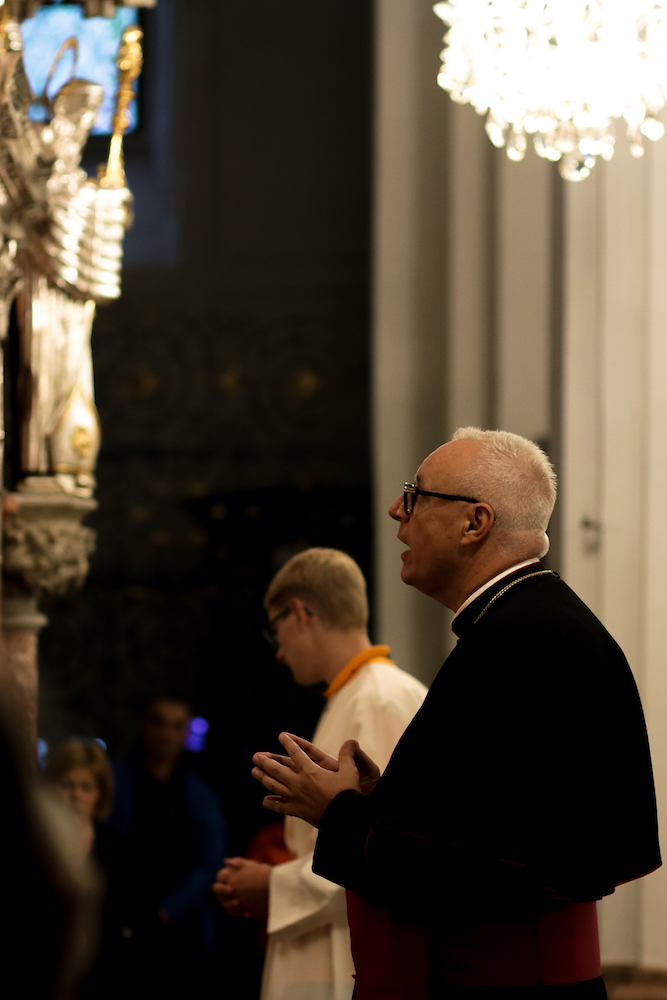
242 887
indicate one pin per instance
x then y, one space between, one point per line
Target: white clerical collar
490 583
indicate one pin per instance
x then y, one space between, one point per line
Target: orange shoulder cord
354 666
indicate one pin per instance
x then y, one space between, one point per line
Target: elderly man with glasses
521 792
318 623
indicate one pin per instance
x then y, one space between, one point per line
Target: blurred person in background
318 622
174 829
49 917
80 772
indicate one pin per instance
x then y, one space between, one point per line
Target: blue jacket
210 839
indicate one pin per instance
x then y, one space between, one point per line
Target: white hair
516 478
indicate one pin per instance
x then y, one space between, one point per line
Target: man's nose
397 510
279 656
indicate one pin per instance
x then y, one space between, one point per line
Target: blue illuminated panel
99 41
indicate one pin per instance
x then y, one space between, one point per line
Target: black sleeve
340 852
357 849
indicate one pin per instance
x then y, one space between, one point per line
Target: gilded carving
75 439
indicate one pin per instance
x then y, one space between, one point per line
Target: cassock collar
464 619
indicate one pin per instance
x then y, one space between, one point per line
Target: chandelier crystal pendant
560 72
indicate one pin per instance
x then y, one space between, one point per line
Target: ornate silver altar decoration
61 239
559 71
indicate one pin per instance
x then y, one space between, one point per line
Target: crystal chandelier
560 71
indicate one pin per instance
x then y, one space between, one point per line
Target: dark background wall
231 378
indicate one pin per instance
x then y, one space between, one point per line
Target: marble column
615 464
461 299
21 625
45 551
408 346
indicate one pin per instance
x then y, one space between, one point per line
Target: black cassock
521 792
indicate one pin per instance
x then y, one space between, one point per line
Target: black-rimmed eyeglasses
410 491
269 630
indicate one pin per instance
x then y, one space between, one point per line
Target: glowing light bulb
652 128
516 146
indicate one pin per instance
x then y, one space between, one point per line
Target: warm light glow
559 71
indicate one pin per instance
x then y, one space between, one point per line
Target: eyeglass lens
270 636
269 631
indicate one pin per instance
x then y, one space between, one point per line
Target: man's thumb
347 752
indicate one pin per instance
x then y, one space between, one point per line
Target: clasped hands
242 887
304 782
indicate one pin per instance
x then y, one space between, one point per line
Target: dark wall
232 376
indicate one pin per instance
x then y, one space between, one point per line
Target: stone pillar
45 551
461 298
522 308
21 624
615 464
408 348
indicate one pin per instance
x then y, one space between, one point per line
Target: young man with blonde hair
318 613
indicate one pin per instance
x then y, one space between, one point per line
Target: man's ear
301 612
479 525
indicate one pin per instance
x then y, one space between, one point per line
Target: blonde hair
516 478
83 753
328 579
